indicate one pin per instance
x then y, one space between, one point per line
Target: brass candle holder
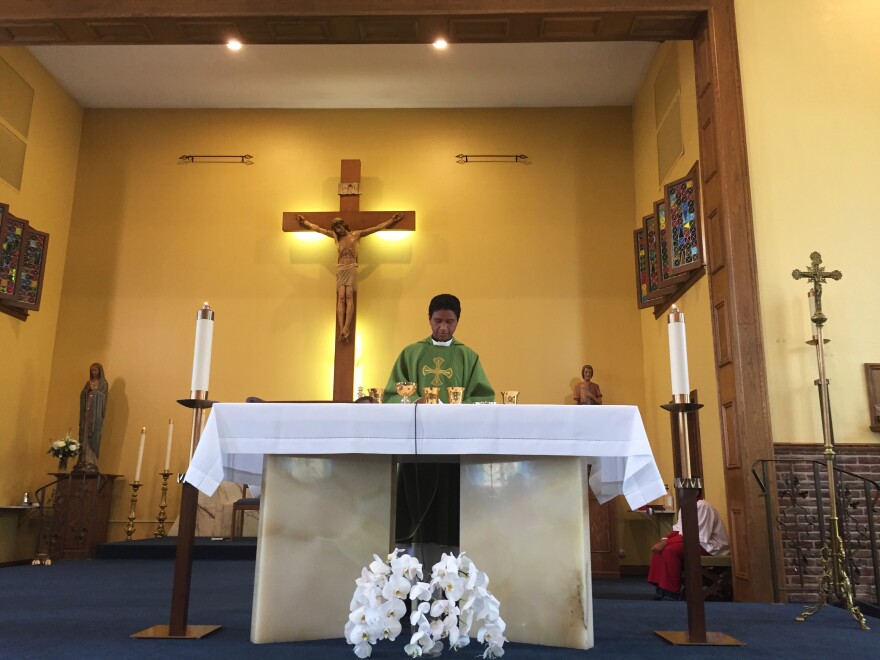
163 502
129 528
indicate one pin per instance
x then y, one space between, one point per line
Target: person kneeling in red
667 556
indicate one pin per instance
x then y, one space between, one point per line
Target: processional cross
835 582
817 275
347 227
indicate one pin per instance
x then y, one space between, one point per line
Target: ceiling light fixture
440 44
233 44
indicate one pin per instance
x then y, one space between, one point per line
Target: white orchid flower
379 567
493 651
358 634
420 591
453 586
413 650
393 609
461 641
397 586
437 649
363 650
407 566
358 615
391 630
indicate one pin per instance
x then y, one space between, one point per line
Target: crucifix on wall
346 227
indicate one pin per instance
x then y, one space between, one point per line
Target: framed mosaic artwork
684 233
22 264
656 287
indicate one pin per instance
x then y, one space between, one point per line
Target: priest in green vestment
441 360
428 493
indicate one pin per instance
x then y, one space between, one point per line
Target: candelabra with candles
178 626
688 484
835 582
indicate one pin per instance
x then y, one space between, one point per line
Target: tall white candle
811 296
137 470
168 445
678 360
202 354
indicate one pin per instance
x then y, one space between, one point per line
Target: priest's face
443 324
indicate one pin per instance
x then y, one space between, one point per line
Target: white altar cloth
611 439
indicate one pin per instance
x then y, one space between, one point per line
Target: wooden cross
817 275
356 220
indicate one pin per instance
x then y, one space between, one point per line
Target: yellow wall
538 253
812 108
637 536
45 200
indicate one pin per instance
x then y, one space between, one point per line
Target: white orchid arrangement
65 447
454 601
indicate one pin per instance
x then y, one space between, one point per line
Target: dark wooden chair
717 577
238 509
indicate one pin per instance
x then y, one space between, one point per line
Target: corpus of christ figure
346 267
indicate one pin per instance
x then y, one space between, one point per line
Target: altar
327 473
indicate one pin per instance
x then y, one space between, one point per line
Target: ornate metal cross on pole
817 275
347 226
834 582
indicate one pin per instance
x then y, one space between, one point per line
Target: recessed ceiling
351 76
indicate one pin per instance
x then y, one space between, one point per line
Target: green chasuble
428 365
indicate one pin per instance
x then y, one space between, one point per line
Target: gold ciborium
431 394
455 394
509 396
405 389
376 394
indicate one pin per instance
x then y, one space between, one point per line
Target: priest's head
443 313
339 227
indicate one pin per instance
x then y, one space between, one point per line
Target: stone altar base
525 523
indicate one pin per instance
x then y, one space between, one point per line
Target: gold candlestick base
129 528
832 585
163 502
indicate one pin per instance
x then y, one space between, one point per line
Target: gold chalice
456 394
405 389
376 394
509 396
431 394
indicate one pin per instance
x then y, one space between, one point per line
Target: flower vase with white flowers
64 448
449 606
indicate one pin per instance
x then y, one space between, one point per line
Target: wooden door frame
733 282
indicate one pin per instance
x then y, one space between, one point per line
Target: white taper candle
168 445
202 354
137 470
678 360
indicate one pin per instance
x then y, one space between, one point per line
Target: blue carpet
78 609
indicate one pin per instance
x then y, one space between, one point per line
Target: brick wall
800 523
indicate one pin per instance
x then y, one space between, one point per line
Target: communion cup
509 396
376 394
405 389
455 394
431 394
